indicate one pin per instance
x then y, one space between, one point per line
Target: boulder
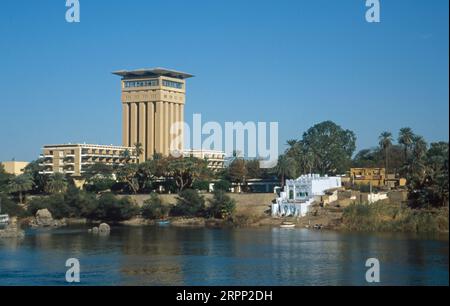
104 228
44 218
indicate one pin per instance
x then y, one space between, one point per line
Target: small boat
163 222
4 221
287 225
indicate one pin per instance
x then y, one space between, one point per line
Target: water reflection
195 256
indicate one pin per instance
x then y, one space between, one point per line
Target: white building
215 159
300 193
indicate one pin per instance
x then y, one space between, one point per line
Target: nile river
155 255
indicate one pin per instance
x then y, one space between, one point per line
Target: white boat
4 220
287 225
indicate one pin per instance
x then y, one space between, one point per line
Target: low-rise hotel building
74 158
14 167
215 159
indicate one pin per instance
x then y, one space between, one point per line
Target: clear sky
295 62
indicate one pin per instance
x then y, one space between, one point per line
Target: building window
147 83
172 84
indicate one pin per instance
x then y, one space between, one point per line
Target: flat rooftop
153 72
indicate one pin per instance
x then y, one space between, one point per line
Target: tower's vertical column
159 127
150 130
134 124
125 125
182 126
166 128
142 130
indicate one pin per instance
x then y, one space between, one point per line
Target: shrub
82 203
221 205
153 208
189 203
110 208
222 185
54 203
201 185
99 184
10 207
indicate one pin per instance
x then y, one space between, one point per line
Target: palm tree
125 154
57 183
138 150
20 184
285 167
405 138
385 141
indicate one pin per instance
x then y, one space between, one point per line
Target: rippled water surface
186 256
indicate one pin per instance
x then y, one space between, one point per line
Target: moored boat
287 225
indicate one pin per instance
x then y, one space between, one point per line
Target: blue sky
295 62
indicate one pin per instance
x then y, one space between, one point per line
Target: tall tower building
152 100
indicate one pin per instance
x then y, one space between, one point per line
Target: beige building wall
152 101
73 159
14 167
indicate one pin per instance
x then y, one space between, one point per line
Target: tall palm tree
385 141
125 154
285 167
405 138
57 183
20 184
138 150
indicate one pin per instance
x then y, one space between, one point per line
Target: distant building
368 176
376 177
15 167
152 100
299 194
74 158
215 159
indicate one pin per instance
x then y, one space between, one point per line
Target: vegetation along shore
179 189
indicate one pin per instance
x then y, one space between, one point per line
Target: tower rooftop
153 72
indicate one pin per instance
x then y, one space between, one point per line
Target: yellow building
15 167
368 176
74 158
215 159
152 100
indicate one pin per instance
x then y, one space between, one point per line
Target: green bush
221 205
189 203
81 202
201 185
110 208
54 203
153 208
222 185
99 184
10 207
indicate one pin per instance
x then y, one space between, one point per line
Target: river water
153 255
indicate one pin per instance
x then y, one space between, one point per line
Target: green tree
330 146
4 178
34 169
186 171
385 142
221 205
405 138
153 208
138 150
127 174
189 203
57 183
20 184
111 208
285 168
237 172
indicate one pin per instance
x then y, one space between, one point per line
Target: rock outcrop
44 218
